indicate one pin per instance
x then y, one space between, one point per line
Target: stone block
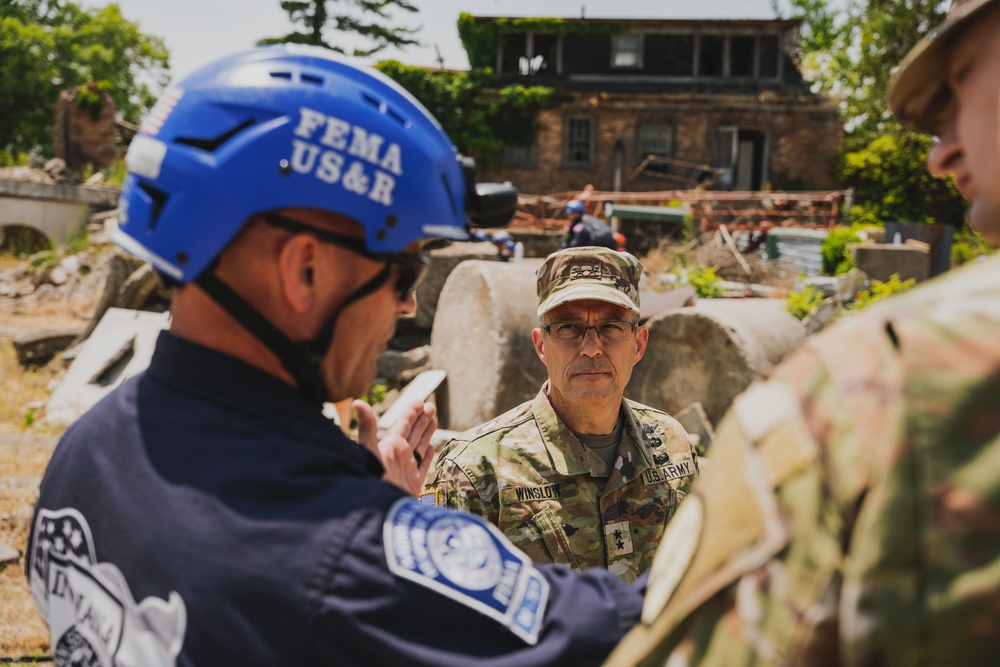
711 352
880 261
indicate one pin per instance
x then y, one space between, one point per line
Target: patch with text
468 560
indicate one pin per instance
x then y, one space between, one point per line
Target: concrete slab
8 554
120 346
419 389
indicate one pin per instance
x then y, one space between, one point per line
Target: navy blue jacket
205 514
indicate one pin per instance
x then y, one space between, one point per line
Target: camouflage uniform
555 499
851 515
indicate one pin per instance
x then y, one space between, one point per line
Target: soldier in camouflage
852 512
578 475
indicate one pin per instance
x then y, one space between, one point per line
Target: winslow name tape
468 560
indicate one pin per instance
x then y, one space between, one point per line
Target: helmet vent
211 145
313 79
287 76
385 109
158 199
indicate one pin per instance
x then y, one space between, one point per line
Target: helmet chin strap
302 359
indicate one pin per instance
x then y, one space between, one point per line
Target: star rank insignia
618 538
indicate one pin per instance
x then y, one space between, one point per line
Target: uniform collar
218 378
569 456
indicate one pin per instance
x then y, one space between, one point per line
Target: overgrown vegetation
805 302
967 245
836 256
47 47
478 118
702 278
481 38
849 51
880 290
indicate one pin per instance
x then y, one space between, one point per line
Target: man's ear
297 261
641 341
538 338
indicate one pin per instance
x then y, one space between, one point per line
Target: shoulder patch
87 605
682 534
468 560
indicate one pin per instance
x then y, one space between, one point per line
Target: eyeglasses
411 271
573 333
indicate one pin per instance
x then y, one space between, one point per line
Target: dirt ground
26 441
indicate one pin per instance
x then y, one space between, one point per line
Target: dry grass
23 392
25 448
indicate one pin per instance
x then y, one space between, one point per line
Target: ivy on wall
482 37
478 118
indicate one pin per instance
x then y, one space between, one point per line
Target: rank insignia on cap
428 497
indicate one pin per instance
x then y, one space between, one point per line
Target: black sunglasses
411 269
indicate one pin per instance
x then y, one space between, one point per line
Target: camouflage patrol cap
918 94
575 274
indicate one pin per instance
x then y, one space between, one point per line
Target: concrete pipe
482 339
711 352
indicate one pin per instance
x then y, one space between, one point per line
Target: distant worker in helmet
206 512
586 230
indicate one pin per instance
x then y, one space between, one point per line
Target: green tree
315 21
47 46
850 54
892 183
478 118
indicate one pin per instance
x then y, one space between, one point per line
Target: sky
199 31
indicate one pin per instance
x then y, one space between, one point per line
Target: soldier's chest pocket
536 528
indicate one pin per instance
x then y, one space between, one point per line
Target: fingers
367 425
420 434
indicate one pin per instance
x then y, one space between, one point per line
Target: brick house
721 93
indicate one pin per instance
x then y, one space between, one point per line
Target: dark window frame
568 140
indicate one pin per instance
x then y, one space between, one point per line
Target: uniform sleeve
451 487
370 614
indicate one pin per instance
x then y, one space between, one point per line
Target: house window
579 142
742 54
514 49
769 54
519 156
711 49
678 55
626 51
655 140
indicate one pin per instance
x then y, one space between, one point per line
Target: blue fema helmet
292 126
575 206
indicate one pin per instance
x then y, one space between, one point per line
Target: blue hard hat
292 126
500 237
575 206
